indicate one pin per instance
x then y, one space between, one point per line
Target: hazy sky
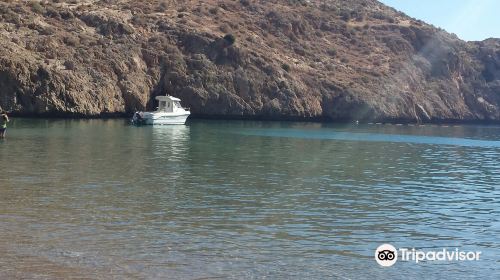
471 20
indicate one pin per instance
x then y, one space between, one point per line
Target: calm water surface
245 200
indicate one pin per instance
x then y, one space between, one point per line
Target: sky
470 20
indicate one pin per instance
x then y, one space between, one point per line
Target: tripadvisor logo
387 255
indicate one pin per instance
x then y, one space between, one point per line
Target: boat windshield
177 104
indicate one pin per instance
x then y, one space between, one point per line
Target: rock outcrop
334 60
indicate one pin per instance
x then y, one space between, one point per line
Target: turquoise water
245 200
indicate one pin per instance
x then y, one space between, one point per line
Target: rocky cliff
335 60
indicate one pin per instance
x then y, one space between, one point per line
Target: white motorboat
169 111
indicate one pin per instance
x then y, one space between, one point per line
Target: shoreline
390 121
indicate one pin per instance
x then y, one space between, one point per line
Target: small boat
169 111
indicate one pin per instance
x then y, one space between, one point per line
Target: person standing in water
4 119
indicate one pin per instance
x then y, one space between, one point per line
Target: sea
226 199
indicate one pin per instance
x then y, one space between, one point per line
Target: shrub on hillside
70 65
11 18
139 20
224 28
52 12
285 67
332 52
345 15
230 39
37 8
360 17
71 41
162 6
213 10
66 15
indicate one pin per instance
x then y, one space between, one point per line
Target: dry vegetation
290 59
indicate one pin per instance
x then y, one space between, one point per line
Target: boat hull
148 118
165 120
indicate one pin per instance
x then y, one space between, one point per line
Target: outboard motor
137 118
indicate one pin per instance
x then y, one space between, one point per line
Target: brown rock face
335 60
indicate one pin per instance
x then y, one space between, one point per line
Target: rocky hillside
291 59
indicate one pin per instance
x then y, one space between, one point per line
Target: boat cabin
168 103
